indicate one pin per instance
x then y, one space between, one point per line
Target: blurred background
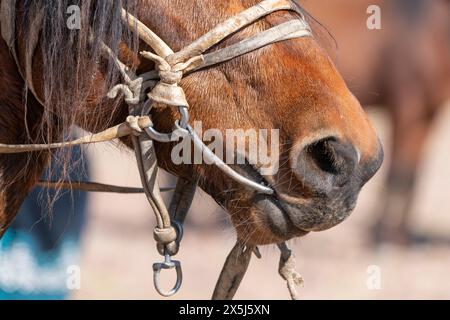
400 230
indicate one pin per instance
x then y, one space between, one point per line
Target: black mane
70 56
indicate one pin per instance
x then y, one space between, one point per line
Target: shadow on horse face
328 149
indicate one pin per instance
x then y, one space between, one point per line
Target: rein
163 86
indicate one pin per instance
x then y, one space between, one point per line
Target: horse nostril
326 163
332 156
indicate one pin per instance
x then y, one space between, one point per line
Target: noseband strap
163 87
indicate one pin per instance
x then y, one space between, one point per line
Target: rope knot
133 123
165 236
132 91
287 270
170 76
168 91
166 240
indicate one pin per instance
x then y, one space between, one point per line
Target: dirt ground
118 248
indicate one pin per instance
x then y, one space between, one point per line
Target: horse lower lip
282 221
276 217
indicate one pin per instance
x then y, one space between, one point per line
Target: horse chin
273 220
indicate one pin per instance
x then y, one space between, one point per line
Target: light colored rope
229 27
146 35
86 186
287 270
122 130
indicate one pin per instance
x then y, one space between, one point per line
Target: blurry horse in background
404 67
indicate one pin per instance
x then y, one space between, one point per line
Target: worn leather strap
182 200
86 186
233 272
122 130
148 170
289 30
229 27
236 266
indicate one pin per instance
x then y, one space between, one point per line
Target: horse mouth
271 210
274 215
285 219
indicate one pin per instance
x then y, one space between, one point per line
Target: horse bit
163 86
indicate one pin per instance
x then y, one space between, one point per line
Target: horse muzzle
330 175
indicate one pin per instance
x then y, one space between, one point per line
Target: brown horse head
328 148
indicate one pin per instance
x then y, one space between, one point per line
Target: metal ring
179 228
184 114
146 108
178 132
174 136
167 265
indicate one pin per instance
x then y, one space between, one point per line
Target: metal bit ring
178 132
167 265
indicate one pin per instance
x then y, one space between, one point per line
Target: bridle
162 83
